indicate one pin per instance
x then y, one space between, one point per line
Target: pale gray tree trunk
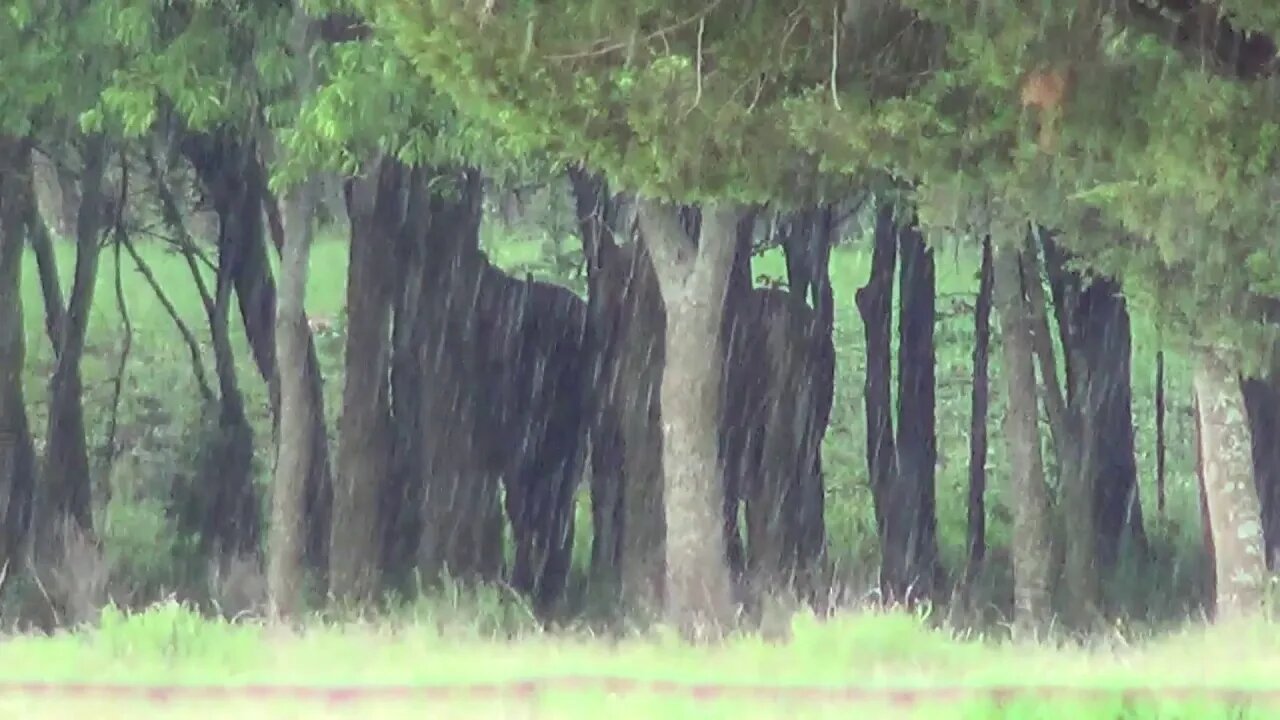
1032 547
286 538
693 275
1235 517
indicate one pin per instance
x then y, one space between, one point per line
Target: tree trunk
403 496
894 515
810 261
67 489
1262 400
1073 446
598 222
1032 549
364 432
1231 495
917 441
462 521
979 404
17 453
232 173
693 274
287 541
1093 324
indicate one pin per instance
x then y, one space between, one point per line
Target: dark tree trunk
1093 323
917 441
462 521
364 431
807 239
1262 401
1160 442
403 494
980 402
67 491
893 510
17 453
598 218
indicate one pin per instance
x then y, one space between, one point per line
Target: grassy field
430 645
463 640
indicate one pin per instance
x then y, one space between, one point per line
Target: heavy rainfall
864 344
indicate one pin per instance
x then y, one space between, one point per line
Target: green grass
170 645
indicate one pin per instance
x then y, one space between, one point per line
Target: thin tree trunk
17 453
1072 446
1160 441
596 213
1230 492
693 275
47 267
67 492
287 540
1032 548
893 514
917 442
979 404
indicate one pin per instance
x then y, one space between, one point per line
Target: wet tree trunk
693 274
403 495
1032 548
917 441
1093 324
634 380
894 515
980 402
364 432
1230 492
66 493
462 520
597 215
807 241
287 541
17 453
1073 446
233 175
1262 401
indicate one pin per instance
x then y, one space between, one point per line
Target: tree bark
462 516
1073 447
364 432
232 173
917 441
1230 492
893 513
693 277
17 453
597 214
298 412
1262 401
979 407
1032 548
67 492
1093 324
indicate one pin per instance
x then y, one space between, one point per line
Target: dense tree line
1095 154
